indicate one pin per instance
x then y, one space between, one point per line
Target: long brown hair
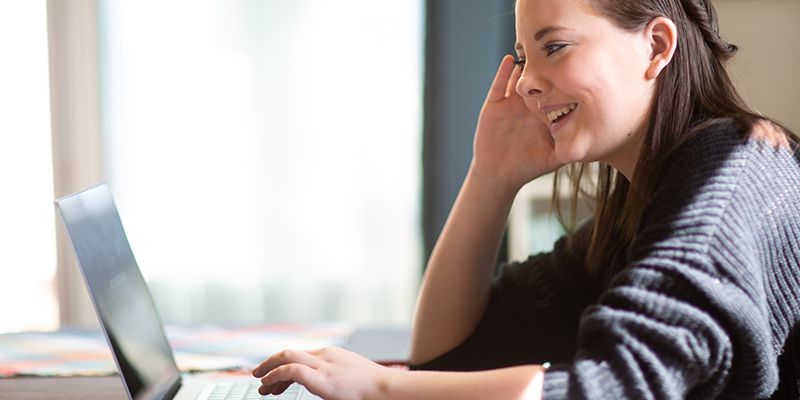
694 88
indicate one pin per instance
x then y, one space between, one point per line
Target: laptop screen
121 298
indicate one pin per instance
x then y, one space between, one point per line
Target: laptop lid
121 298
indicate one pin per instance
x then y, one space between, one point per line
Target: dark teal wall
465 40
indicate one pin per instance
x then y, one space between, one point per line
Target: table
53 355
77 363
74 388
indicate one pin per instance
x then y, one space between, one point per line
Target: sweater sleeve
649 337
663 329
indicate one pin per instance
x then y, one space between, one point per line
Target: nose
529 85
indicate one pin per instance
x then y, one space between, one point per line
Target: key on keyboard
248 391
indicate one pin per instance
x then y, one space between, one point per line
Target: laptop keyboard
249 391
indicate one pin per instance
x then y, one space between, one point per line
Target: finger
275 389
299 373
281 387
511 87
498 90
285 357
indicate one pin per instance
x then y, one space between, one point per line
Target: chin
572 151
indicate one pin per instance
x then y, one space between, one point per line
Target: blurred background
272 160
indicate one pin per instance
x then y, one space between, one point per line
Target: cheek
599 81
597 129
586 83
609 103
597 102
612 103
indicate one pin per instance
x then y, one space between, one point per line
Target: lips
561 119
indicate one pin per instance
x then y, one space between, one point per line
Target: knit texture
706 306
709 296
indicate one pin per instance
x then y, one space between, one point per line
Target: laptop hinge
173 390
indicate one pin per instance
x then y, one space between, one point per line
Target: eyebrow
542 33
547 29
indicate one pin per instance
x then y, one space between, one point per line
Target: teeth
553 115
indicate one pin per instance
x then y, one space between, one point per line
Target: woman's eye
552 48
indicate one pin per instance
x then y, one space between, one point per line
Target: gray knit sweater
706 306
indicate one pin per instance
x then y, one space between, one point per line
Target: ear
662 36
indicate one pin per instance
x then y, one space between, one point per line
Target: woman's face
585 78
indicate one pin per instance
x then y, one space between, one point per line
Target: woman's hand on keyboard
330 373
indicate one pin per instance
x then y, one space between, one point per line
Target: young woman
684 284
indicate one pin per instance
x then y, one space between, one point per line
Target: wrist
491 183
389 383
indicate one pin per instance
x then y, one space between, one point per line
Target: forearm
523 382
455 288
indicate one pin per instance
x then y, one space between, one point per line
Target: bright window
27 215
265 155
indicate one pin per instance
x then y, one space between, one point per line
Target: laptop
126 311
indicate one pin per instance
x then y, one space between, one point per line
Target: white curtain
265 155
27 223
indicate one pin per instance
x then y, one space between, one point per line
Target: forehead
533 15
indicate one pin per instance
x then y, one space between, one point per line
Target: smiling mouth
558 115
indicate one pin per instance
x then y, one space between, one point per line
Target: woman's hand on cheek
512 144
330 373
